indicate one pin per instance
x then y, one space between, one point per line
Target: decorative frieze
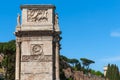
37 54
36 15
28 58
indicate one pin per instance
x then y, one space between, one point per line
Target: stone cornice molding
37 33
43 6
33 33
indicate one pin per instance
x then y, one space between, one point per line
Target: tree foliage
97 73
73 61
75 64
112 72
86 63
8 49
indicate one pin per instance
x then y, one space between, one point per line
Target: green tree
64 58
73 62
63 65
97 73
112 72
86 63
8 49
78 66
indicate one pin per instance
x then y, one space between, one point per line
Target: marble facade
37 43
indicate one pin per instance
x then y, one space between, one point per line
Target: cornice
33 33
37 6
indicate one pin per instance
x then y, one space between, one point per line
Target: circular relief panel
36 49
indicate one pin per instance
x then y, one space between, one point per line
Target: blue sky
90 28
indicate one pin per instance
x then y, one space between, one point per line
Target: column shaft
17 69
57 61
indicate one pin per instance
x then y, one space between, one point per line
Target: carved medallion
37 54
37 50
36 15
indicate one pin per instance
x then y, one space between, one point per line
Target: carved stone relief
36 15
37 54
27 58
36 49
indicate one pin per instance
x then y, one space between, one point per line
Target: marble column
17 69
57 61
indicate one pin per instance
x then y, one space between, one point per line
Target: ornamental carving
37 49
36 15
27 58
37 54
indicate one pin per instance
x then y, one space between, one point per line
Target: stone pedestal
37 43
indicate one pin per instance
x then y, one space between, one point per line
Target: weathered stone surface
37 18
37 54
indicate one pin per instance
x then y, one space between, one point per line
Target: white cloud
115 34
111 59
